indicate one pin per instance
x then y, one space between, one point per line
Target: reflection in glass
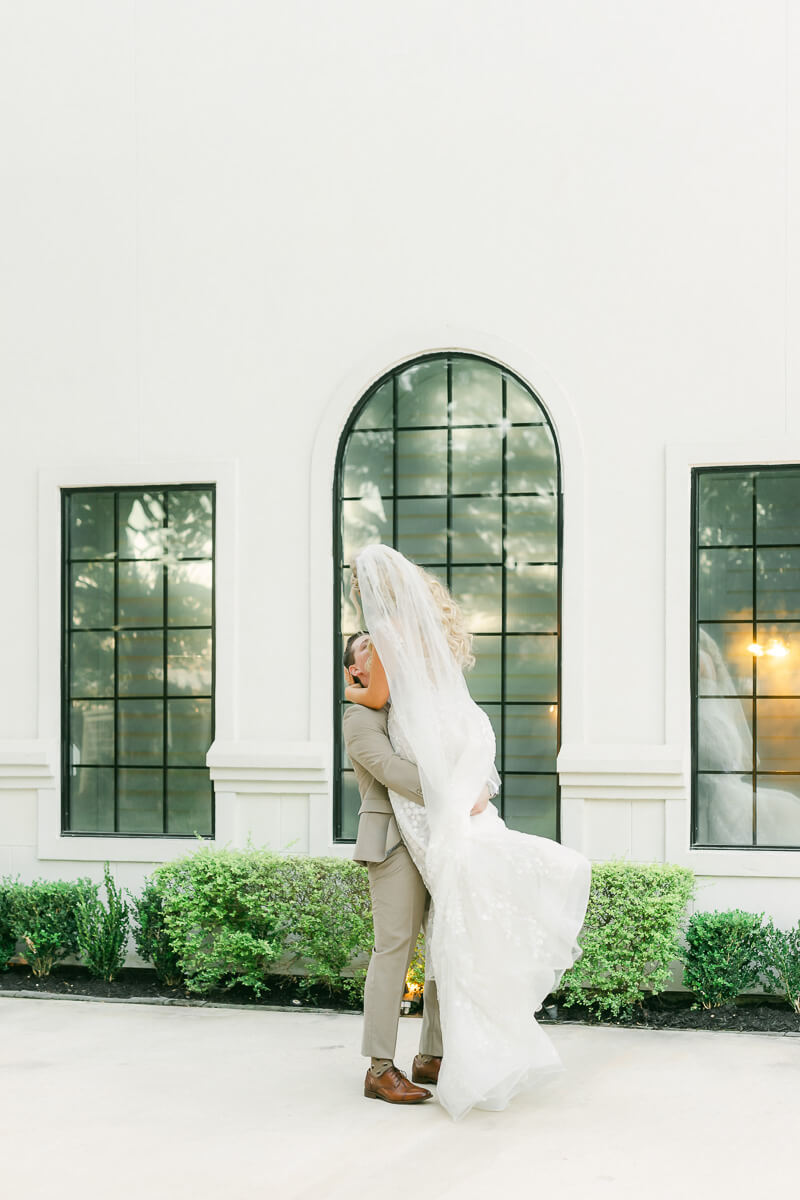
532 528
141 662
422 394
477 529
520 405
422 462
778 508
141 525
725 646
92 664
531 460
531 732
532 668
188 732
140 800
351 802
189 523
91 525
377 412
422 529
92 799
724 810
778 735
477 394
477 461
724 584
778 582
365 522
532 599
479 593
368 463
529 804
91 732
189 662
778 810
140 593
189 589
725 509
725 740
92 587
140 730
484 680
350 619
778 667
189 802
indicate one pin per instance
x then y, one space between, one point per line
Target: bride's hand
481 803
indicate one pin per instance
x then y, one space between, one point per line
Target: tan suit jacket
377 768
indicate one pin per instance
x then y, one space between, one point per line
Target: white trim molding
680 458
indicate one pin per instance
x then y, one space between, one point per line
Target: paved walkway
127 1100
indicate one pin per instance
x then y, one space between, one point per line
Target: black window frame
338 496
696 472
66 630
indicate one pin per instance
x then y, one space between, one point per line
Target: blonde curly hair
454 624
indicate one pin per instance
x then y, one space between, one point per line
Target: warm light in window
775 648
755 649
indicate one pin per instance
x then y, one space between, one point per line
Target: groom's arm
372 749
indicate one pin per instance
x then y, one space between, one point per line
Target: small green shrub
8 942
630 935
150 933
102 932
42 914
782 953
726 955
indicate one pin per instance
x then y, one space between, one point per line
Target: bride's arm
376 695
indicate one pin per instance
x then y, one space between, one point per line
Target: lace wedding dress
506 907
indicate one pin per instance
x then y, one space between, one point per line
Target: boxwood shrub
42 915
726 954
630 936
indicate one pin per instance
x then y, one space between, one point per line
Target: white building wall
223 220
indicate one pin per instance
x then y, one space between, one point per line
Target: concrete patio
129 1100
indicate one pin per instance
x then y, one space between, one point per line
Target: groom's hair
349 653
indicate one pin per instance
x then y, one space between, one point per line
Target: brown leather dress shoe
394 1086
425 1072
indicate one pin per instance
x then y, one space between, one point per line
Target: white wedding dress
506 907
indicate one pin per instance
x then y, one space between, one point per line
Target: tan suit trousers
399 906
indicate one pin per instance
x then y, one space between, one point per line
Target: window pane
724 584
778 735
531 460
189 662
189 593
477 393
141 525
365 522
351 802
778 810
725 510
532 599
778 582
189 802
532 528
520 405
377 412
477 461
479 593
725 664
92 799
140 800
140 593
92 664
368 464
531 732
422 462
477 529
422 529
141 662
529 804
724 810
778 508
92 594
188 732
724 737
91 525
532 668
422 394
189 525
483 680
140 731
778 668
92 731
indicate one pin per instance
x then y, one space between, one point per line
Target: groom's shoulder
358 715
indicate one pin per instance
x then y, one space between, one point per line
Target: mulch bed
671 1010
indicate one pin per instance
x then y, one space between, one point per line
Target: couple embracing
502 909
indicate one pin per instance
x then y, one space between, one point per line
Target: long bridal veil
506 906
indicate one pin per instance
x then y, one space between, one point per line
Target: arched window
452 460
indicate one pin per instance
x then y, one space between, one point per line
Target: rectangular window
137 660
746 657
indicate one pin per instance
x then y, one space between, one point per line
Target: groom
399 897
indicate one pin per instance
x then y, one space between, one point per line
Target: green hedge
728 953
630 936
43 916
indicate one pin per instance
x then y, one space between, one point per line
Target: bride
506 907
